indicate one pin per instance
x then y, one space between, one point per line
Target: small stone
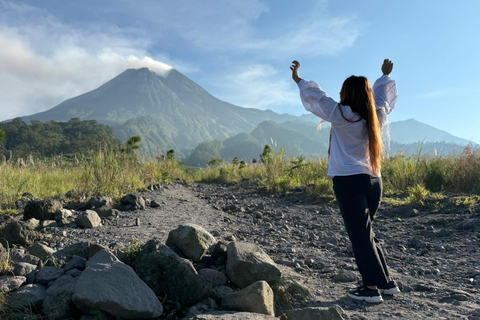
345 276
40 250
137 222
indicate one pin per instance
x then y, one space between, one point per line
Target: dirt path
434 255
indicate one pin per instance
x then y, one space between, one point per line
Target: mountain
167 112
173 112
413 131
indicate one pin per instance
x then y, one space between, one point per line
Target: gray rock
133 201
154 204
33 223
23 268
332 313
169 275
106 212
220 292
29 297
257 297
17 233
193 240
63 217
76 263
57 304
203 306
3 254
42 209
99 202
345 276
118 290
74 272
19 255
47 274
88 219
40 250
9 283
48 224
232 315
248 263
216 278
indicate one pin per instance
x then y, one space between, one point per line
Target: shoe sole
376 299
390 291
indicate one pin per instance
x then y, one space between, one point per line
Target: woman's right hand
387 67
294 67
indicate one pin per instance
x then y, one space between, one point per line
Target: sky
241 51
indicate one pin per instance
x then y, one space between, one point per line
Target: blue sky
240 51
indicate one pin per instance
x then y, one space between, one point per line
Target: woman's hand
294 67
387 67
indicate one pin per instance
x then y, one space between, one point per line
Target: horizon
241 53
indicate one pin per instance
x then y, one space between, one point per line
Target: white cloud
258 86
43 61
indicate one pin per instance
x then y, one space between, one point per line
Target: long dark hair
358 95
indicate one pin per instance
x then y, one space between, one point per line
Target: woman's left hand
294 67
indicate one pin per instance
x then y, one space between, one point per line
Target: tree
235 161
132 144
2 135
215 162
171 155
266 154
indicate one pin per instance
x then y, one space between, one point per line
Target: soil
433 254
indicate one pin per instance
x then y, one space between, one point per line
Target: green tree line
47 139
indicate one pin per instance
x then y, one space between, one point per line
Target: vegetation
50 139
113 171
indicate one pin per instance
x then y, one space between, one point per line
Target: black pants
358 197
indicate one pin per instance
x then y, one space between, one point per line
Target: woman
354 165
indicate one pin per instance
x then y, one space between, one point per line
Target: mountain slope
167 112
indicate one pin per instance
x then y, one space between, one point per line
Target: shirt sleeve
385 92
316 100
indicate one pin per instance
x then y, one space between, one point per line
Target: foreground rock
58 304
88 219
193 240
332 313
229 315
42 209
169 275
248 263
257 298
113 287
28 297
9 283
17 233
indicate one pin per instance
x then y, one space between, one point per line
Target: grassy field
113 173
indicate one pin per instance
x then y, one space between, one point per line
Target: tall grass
114 173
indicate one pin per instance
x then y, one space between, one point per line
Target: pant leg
374 199
353 194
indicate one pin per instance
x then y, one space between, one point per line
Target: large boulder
318 313
58 304
248 263
88 219
23 268
257 297
28 297
193 240
117 289
169 275
98 202
17 233
232 315
41 209
48 274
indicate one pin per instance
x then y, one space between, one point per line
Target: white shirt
349 144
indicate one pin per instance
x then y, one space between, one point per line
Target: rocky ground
432 253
